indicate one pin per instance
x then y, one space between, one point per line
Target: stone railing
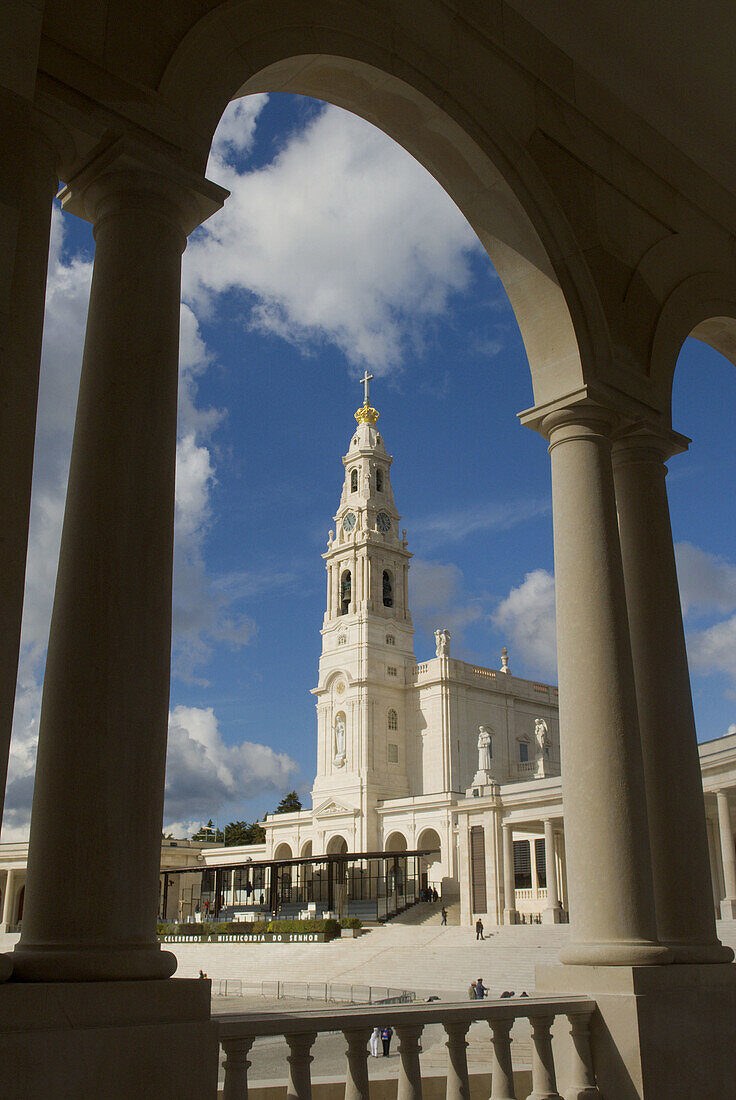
238 1033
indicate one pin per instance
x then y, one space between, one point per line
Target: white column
728 856
102 740
552 913
510 912
609 864
8 899
329 591
20 355
677 830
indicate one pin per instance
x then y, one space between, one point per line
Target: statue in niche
339 758
484 749
442 641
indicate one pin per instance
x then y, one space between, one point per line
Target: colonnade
553 871
628 737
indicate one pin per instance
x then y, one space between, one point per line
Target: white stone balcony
568 1017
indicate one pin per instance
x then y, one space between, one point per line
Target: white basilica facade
414 756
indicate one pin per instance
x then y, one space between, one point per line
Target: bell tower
365 670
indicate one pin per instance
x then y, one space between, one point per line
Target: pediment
330 808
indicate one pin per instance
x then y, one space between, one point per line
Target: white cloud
527 617
236 131
494 516
707 582
203 774
714 650
438 600
332 241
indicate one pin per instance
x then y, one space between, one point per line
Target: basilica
415 756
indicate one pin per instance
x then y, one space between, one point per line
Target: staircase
427 912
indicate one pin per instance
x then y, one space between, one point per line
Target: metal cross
365 380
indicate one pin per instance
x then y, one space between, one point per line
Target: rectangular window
393 754
523 752
390 639
541 862
391 670
522 865
478 869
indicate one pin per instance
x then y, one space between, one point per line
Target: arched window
342 640
388 589
379 481
346 590
353 481
393 720
390 639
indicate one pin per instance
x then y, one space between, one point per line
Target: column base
113 1039
6 967
52 963
616 953
511 916
659 1031
728 908
700 952
552 916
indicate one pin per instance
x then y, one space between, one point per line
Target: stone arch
357 61
283 851
431 865
703 306
337 845
306 850
396 842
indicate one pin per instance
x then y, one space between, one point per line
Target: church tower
367 662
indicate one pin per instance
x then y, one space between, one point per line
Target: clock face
383 521
349 521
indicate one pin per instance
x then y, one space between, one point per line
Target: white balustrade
544 1085
237 1034
458 1085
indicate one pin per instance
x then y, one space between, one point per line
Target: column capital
645 441
52 145
124 169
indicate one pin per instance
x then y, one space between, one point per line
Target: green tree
209 833
243 832
289 804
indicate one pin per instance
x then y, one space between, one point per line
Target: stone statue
339 741
541 732
484 749
442 640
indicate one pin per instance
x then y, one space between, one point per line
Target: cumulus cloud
707 581
329 241
527 618
713 650
438 599
203 774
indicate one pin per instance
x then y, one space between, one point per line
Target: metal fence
324 992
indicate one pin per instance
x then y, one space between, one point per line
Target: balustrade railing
238 1033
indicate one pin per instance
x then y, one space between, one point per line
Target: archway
430 867
337 846
396 842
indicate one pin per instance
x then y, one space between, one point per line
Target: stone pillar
8 899
91 904
553 912
20 355
677 829
510 912
609 865
728 856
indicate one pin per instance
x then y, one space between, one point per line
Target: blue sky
337 251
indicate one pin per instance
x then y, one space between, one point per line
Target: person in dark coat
386 1037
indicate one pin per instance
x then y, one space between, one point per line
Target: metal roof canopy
332 857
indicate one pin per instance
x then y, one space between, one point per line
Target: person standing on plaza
480 990
444 915
471 992
386 1037
375 1042
479 929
